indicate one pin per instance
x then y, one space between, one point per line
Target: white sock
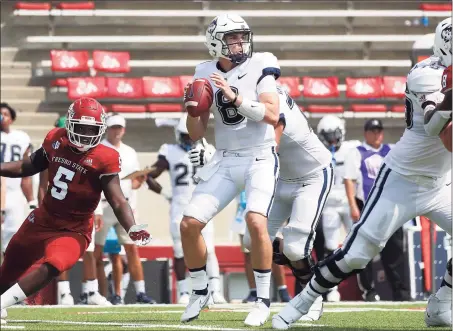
125 284
84 287
212 266
198 277
92 285
139 286
183 286
263 283
12 296
63 287
214 284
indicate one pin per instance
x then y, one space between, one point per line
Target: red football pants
34 243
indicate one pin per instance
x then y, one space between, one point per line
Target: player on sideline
174 158
58 232
412 181
245 109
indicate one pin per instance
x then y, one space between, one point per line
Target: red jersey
74 188
446 80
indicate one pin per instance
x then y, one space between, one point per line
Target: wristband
252 109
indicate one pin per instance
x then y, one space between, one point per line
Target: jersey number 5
60 183
227 109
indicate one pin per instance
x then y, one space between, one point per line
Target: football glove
32 205
139 236
200 156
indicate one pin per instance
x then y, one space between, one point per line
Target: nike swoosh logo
260 159
239 77
448 184
16 298
203 304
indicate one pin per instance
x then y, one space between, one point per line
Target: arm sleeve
39 159
352 165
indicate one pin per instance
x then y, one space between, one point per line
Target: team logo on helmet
71 111
212 26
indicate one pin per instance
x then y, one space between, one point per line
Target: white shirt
417 153
129 164
352 167
301 153
13 147
232 130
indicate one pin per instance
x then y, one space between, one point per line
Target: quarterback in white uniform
412 181
174 158
15 144
245 110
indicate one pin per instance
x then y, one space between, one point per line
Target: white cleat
184 298
438 312
333 295
4 315
259 314
315 312
66 299
291 313
196 304
96 299
218 298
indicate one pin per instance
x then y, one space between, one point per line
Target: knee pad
361 252
294 251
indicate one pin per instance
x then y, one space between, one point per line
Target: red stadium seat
32 5
69 61
86 5
59 82
118 87
162 87
290 85
435 6
398 108
369 108
364 88
128 108
111 61
394 86
325 109
326 87
165 107
92 87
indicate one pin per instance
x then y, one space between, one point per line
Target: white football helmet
223 25
442 42
182 134
331 131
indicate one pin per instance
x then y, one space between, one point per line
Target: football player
245 110
331 131
174 158
15 145
412 181
56 234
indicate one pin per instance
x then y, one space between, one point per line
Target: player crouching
56 234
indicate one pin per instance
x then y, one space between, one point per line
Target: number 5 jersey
417 153
74 188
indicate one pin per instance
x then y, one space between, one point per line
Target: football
198 97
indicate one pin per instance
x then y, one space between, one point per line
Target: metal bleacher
365 46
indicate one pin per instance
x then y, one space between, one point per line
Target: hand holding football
198 97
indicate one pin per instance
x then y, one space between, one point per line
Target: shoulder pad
201 70
267 63
425 77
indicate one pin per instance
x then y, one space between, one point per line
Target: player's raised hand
139 235
222 84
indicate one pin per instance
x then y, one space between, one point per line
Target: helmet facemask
331 139
240 38
84 134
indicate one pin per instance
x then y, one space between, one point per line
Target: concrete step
23 92
8 53
18 68
15 79
37 133
39 119
21 105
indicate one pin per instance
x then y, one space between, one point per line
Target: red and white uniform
446 80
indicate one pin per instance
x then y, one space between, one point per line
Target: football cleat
196 304
66 299
438 312
315 311
95 298
184 298
259 314
4 315
218 298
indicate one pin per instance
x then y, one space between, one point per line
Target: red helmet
85 123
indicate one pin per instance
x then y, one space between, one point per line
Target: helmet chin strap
238 58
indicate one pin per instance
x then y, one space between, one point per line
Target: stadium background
361 43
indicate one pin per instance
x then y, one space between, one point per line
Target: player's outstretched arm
117 200
196 126
28 166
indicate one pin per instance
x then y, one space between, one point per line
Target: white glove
32 205
139 235
200 156
166 194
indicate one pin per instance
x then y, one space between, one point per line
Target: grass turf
356 316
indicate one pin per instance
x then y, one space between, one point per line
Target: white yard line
16 327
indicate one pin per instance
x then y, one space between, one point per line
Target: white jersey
13 147
232 130
417 153
181 172
337 196
129 164
301 153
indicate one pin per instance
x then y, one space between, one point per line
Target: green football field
344 316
